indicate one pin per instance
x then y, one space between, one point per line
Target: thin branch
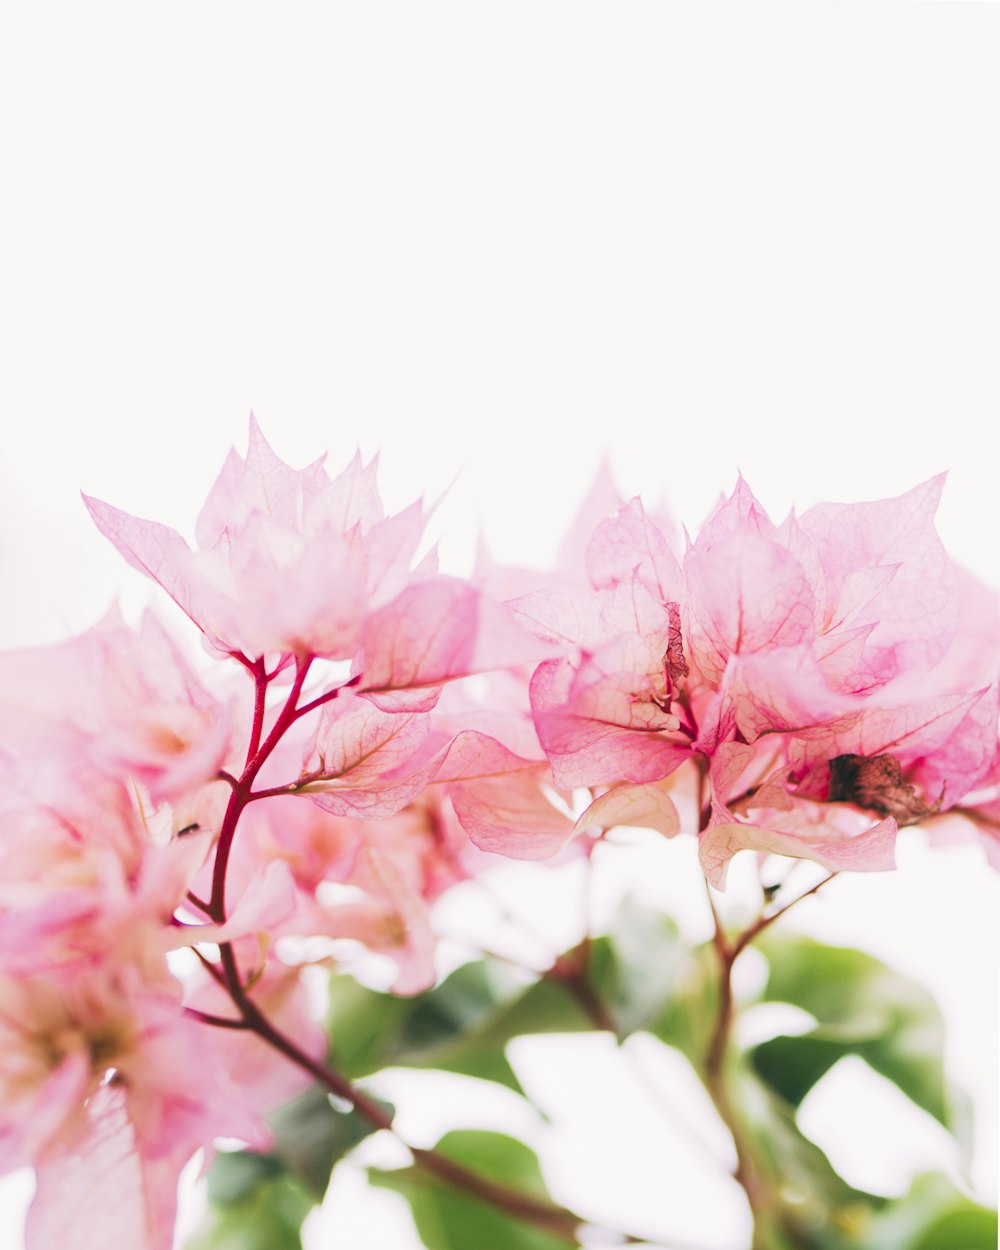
328 697
759 925
541 1214
239 797
260 681
214 971
220 1022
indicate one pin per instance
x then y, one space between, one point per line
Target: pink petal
639 806
436 631
584 742
914 614
741 513
104 1193
871 851
511 816
472 755
628 544
601 500
159 552
747 594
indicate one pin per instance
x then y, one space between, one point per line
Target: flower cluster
375 732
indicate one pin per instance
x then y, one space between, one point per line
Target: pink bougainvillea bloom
126 700
288 561
605 716
72 1041
833 637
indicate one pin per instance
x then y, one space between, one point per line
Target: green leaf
862 1008
235 1176
462 1025
450 1218
688 1017
311 1135
932 1216
816 1201
634 969
261 1199
268 1216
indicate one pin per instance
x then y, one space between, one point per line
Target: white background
499 241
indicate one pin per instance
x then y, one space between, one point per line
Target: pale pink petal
32 1119
262 483
962 760
268 901
434 632
782 691
908 731
601 500
354 737
352 498
390 547
629 543
584 747
639 806
365 761
103 1193
568 616
511 816
412 942
914 614
741 513
159 552
746 594
263 1075
870 851
472 754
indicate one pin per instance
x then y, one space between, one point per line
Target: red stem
256 758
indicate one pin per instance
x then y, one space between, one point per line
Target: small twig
220 1022
759 925
212 969
328 696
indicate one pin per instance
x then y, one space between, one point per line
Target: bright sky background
498 242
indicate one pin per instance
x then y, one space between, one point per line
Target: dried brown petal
674 661
875 782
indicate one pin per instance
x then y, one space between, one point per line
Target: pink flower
288 561
126 701
829 643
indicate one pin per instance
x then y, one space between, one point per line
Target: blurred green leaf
464 1024
689 1013
458 1026
932 1216
634 968
311 1135
813 1205
259 1200
448 1027
268 1216
449 1218
862 1008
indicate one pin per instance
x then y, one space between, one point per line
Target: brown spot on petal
875 782
674 661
